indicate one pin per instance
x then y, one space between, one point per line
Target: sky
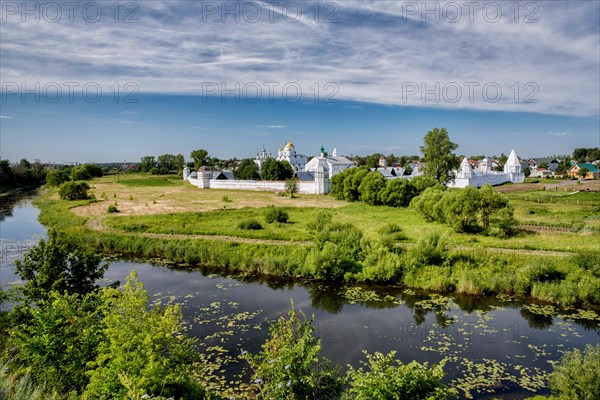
115 81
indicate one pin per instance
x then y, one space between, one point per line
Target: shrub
321 219
431 249
57 178
274 214
76 190
577 375
370 188
382 377
589 260
397 193
225 199
250 224
289 365
112 209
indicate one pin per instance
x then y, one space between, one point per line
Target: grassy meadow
552 256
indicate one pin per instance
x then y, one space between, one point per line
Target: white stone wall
270 186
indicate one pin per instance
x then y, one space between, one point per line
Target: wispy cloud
372 53
5 117
556 133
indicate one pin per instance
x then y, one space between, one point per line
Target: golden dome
289 144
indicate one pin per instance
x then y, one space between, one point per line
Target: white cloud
371 54
5 117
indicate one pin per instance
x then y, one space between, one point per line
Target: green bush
76 190
384 378
56 178
321 219
289 365
274 214
577 375
250 224
431 249
112 209
468 210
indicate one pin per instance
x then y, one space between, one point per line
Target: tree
289 365
74 190
383 377
370 187
144 352
166 163
57 177
583 172
179 163
291 186
273 170
397 193
57 265
247 170
57 340
199 156
147 163
438 153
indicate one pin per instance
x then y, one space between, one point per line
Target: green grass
471 267
219 222
150 181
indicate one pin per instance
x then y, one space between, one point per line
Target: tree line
21 174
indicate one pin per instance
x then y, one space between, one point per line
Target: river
495 347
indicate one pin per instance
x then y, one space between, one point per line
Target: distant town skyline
108 81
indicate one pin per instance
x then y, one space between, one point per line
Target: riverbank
331 240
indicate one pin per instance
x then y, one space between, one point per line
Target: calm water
501 344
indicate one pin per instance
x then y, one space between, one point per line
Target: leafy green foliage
22 173
370 186
291 186
74 190
111 209
397 193
147 163
384 378
166 164
143 352
56 178
467 210
276 214
247 170
337 252
289 365
273 170
200 158
56 265
57 339
86 172
438 153
577 375
250 224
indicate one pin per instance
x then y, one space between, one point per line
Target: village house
593 172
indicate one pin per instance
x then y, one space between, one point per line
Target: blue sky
368 76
